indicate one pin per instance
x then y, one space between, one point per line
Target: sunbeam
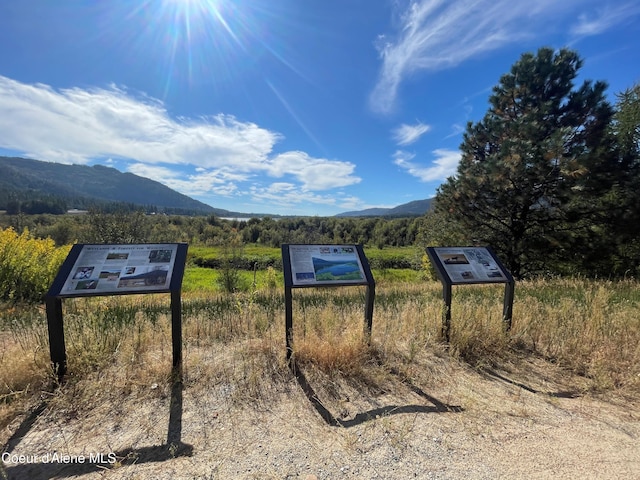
293 114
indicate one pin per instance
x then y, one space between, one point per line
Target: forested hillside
31 186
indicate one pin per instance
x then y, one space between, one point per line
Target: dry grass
235 343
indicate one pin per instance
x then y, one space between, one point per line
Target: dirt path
530 421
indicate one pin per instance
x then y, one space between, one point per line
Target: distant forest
14 202
124 226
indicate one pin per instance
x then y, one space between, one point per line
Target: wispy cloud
456 129
203 182
438 34
444 165
408 134
604 18
288 195
83 125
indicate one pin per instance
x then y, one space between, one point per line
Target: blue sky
300 107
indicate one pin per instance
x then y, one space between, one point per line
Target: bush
27 266
230 280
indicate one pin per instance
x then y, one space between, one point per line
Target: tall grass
236 342
591 327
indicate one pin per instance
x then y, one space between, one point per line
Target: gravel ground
530 422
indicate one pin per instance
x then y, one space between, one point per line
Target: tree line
98 226
15 202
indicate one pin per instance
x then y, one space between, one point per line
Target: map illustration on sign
103 269
318 264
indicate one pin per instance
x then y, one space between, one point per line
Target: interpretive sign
470 265
93 270
325 266
118 269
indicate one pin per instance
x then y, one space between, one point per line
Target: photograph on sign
325 264
470 264
104 269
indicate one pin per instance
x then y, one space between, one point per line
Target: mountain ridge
413 208
25 178
36 186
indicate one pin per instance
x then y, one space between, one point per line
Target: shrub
27 265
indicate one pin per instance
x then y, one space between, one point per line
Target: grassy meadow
587 327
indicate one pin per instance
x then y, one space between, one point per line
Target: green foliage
199 279
107 226
394 257
318 230
271 279
35 206
621 224
627 124
229 279
531 168
397 275
263 258
437 230
117 227
252 256
27 266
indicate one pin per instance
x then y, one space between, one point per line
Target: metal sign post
104 270
307 266
470 265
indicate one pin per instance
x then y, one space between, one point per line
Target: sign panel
471 265
467 265
117 269
326 265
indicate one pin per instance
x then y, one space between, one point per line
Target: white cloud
438 34
279 187
352 203
80 125
408 134
220 181
76 125
290 198
274 194
314 173
152 172
444 165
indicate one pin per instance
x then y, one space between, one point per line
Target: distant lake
246 219
339 270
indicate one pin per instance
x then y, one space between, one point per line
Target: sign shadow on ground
493 375
173 448
436 407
